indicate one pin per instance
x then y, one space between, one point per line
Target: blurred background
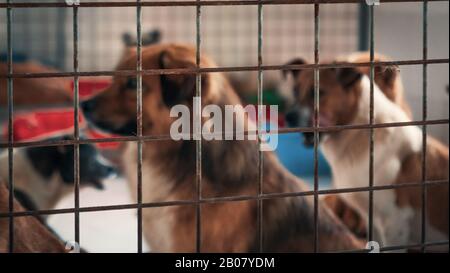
229 36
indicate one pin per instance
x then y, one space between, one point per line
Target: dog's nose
106 171
308 139
110 171
88 106
292 118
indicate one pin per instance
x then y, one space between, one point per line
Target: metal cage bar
76 146
10 129
177 71
50 143
424 127
371 120
316 124
220 199
198 143
194 3
139 123
260 98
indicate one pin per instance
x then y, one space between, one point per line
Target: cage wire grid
227 32
260 68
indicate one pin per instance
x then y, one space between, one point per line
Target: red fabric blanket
48 123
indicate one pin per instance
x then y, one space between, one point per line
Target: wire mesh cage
251 41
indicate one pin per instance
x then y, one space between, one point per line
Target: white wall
398 33
229 33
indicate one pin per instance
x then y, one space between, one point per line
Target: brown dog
30 235
344 99
35 91
229 168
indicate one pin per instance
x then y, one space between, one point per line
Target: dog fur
344 99
229 168
347 214
386 77
35 91
30 235
389 80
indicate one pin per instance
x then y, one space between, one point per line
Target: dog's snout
109 171
104 170
293 118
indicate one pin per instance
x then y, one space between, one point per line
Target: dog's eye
311 93
321 93
131 83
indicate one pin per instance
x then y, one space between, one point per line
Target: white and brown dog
345 100
44 175
229 168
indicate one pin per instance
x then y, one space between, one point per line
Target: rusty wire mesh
260 68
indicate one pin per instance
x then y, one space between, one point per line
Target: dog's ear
128 39
296 72
347 77
44 159
386 75
152 37
178 88
149 38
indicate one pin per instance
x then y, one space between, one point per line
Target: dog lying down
229 168
30 234
43 175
